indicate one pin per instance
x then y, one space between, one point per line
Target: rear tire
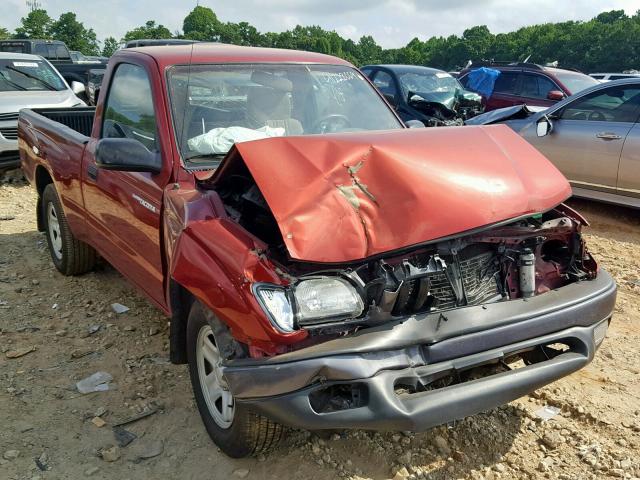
69 255
236 430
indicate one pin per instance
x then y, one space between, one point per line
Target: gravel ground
50 431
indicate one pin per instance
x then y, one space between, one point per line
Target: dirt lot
47 428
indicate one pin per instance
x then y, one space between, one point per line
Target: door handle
608 136
92 172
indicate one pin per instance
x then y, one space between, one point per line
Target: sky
393 23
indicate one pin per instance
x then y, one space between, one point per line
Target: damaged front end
509 259
447 109
525 258
396 279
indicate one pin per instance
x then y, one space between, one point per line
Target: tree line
608 42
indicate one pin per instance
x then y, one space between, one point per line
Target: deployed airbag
220 140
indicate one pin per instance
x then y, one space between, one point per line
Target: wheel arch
42 179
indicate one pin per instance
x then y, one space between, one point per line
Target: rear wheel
232 427
69 255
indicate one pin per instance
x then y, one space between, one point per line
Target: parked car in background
607 77
377 278
529 83
428 95
79 57
28 81
593 137
56 52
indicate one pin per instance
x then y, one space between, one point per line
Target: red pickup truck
323 266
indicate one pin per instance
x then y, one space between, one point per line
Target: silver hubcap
214 388
54 231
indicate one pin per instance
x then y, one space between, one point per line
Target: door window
41 49
61 51
51 52
129 109
536 86
385 83
615 104
506 83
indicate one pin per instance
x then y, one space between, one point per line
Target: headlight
321 298
309 301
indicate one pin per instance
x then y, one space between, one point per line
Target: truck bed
53 140
78 119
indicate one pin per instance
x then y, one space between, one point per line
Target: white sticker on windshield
442 75
25 64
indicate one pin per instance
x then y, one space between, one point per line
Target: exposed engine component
527 266
454 113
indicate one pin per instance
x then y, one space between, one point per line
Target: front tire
69 255
232 427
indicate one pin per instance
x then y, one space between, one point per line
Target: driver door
123 207
588 136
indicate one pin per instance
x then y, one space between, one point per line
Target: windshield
428 82
17 75
215 106
576 82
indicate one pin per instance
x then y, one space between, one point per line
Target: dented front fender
217 261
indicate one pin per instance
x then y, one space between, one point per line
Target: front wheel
237 431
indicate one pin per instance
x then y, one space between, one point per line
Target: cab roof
206 52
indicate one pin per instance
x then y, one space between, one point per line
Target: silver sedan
593 138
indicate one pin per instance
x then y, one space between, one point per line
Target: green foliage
608 42
110 46
201 24
35 25
72 32
148 30
4 33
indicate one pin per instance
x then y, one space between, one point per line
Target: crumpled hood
344 197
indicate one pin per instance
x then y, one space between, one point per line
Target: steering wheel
596 116
331 123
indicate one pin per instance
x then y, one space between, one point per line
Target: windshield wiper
200 156
34 77
13 84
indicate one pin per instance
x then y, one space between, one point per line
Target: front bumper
422 348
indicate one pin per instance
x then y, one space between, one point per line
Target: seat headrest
265 103
270 80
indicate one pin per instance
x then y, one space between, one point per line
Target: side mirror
127 155
544 127
414 124
393 101
555 95
77 87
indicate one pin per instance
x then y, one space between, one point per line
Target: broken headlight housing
310 301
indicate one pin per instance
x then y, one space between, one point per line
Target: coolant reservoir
527 267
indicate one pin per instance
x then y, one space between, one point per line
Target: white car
28 81
607 77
